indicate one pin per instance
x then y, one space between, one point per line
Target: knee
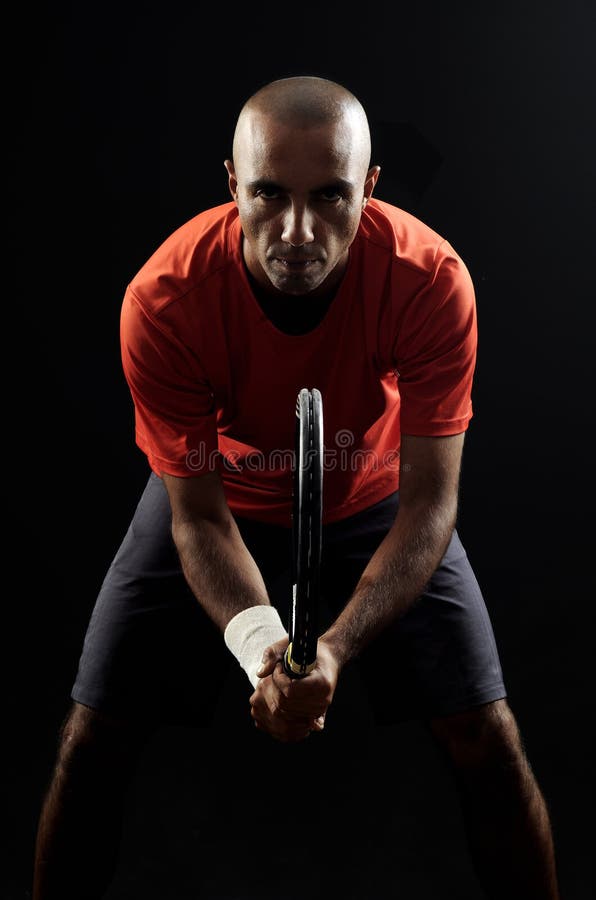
90 741
483 738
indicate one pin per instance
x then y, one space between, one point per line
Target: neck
293 314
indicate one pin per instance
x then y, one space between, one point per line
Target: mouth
294 265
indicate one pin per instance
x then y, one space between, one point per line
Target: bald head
304 102
300 179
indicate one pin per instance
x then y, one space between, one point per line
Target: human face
300 193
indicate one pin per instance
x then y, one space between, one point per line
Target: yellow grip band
295 667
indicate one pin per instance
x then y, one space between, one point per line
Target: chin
296 286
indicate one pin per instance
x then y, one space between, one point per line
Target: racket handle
296 669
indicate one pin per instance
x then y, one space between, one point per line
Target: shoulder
404 239
191 255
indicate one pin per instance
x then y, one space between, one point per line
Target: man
303 280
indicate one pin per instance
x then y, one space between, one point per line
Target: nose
298 225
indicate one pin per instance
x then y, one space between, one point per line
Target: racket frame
307 509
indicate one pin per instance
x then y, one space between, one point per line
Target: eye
267 193
331 195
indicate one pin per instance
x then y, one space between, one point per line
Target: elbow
440 506
444 513
186 532
433 517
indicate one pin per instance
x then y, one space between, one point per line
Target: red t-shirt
214 382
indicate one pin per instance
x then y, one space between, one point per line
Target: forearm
395 576
219 569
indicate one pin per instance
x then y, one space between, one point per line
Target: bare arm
408 555
220 570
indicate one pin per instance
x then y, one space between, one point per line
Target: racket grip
293 668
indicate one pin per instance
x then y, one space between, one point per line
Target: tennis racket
307 512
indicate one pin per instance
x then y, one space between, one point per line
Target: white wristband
249 633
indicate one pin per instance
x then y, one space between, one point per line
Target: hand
266 714
291 708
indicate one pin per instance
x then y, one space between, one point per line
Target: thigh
140 627
348 545
271 548
150 651
441 656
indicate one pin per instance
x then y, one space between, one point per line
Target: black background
119 119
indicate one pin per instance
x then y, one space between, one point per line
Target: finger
294 698
270 658
291 688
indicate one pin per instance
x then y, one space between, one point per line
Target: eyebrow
338 184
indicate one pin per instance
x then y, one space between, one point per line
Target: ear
232 180
369 185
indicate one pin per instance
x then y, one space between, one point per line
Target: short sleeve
434 351
175 422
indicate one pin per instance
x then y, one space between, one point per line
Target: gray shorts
150 652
